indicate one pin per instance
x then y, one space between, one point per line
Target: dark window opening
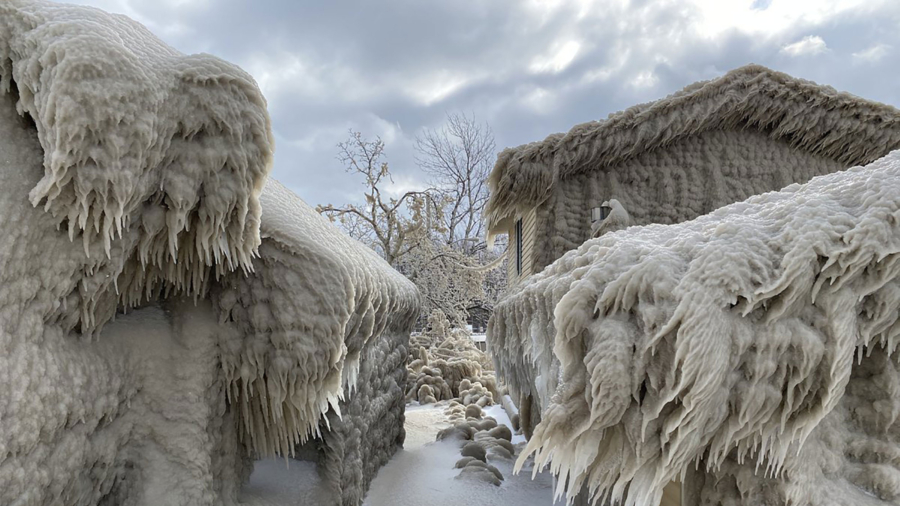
519 247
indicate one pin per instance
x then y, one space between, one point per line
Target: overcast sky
528 68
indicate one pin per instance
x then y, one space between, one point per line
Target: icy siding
132 186
691 177
371 431
134 415
759 341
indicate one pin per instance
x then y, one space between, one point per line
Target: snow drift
165 313
751 352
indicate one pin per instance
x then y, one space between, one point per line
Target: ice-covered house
167 312
615 370
714 143
751 352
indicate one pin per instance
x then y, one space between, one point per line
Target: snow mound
751 351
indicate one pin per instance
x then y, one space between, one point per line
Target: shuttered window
519 247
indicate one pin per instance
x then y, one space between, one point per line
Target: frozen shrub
465 372
483 472
473 411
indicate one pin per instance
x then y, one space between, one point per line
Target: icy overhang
153 160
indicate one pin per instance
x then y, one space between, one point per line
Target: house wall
692 177
370 430
685 180
529 232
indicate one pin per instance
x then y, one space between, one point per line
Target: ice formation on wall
134 186
321 316
162 129
314 300
751 352
748 96
681 181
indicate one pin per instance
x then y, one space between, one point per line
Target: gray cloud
528 68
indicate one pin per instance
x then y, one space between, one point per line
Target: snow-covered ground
422 473
423 422
277 482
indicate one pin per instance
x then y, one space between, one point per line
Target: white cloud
872 54
544 9
769 18
644 80
434 88
273 73
809 45
402 183
558 60
540 100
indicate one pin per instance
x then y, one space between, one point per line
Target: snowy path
423 474
420 474
275 482
422 425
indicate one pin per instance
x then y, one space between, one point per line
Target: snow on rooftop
135 135
808 116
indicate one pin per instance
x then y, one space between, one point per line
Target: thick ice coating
165 152
753 100
166 313
751 352
314 301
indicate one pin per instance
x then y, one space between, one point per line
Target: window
519 247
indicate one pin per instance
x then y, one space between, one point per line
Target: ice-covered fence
751 351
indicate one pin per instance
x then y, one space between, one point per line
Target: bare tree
434 236
393 226
357 228
458 158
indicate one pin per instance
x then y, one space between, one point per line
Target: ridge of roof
812 117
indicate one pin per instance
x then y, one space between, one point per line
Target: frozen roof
154 157
809 116
313 302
